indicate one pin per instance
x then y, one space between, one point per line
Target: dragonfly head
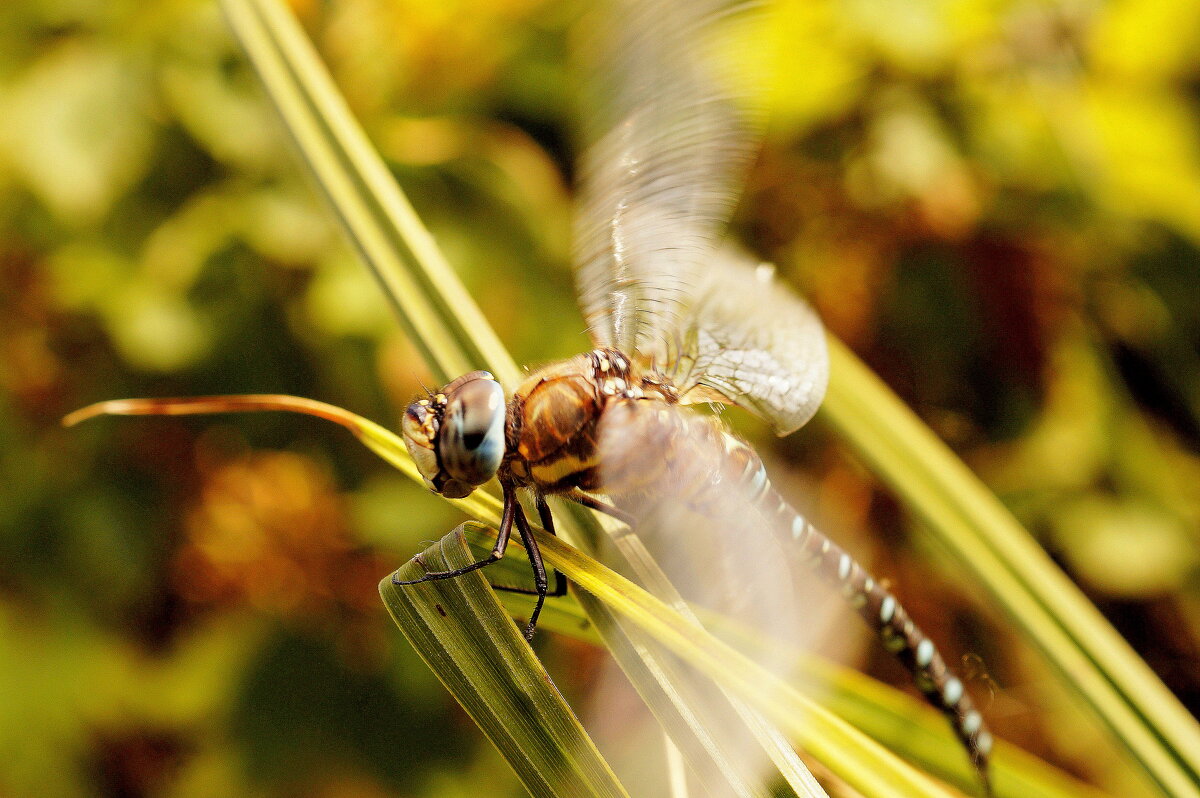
456 435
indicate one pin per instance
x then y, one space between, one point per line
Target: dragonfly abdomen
876 604
660 458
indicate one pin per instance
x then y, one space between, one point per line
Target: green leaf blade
989 544
437 312
462 632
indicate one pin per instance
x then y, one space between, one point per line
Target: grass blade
462 632
437 312
991 546
905 724
867 767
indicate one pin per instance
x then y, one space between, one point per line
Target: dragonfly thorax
554 417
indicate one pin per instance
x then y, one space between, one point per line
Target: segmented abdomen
657 454
877 605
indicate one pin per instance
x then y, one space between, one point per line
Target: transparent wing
693 491
749 340
684 485
670 129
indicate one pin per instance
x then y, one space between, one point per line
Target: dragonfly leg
579 497
560 581
512 514
547 518
539 570
511 508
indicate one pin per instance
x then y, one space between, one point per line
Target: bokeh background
995 202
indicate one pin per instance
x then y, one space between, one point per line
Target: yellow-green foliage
995 204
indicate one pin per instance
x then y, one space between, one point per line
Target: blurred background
996 203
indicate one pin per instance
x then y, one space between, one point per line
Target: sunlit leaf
463 634
1001 558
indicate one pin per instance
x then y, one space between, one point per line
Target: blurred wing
693 491
751 340
670 130
682 481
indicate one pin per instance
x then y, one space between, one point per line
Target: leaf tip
91 411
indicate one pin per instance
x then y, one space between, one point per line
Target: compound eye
471 441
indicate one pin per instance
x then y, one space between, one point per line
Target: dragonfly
678 316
